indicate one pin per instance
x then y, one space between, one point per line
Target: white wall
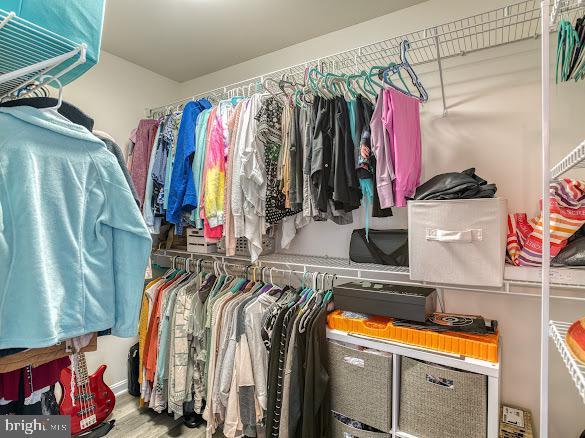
115 94
493 125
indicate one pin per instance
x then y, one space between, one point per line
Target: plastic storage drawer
458 241
341 430
361 385
439 402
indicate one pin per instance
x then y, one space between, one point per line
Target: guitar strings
81 398
85 390
91 406
90 402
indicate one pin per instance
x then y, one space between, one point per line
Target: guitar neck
81 371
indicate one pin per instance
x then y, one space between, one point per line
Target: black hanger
67 110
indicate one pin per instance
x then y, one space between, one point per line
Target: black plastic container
404 302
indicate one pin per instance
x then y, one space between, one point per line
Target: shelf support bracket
440 63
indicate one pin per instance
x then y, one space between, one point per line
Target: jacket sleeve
182 167
131 248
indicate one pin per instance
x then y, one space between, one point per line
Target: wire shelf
29 54
564 9
520 277
575 159
513 23
558 332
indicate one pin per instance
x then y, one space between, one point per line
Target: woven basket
242 249
440 402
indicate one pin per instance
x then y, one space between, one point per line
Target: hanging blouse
269 132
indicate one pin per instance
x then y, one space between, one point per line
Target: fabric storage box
458 241
195 236
202 248
404 302
78 21
338 429
360 385
440 402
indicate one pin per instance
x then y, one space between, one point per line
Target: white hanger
42 80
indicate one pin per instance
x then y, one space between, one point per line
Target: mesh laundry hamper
439 402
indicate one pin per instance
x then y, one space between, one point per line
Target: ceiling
185 39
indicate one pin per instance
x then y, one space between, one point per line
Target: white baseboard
119 388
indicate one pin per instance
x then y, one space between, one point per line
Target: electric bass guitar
94 400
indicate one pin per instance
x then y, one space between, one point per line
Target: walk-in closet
332 219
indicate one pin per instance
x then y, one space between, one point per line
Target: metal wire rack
346 270
513 23
29 54
574 159
558 332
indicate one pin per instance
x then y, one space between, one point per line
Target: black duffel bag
385 247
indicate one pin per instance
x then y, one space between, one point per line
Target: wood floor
131 421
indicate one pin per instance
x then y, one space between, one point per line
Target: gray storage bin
341 430
360 385
438 402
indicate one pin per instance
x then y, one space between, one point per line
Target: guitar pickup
86 411
84 397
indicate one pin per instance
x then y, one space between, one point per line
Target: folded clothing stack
455 185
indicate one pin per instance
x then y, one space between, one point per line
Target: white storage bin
459 241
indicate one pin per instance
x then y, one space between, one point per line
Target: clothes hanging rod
368 273
509 24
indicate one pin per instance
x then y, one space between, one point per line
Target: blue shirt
182 195
73 244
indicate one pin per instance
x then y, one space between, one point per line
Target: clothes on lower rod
260 366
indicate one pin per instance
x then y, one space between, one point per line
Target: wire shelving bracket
558 332
29 53
574 159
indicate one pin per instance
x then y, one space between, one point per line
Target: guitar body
94 400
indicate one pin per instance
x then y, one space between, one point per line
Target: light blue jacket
73 245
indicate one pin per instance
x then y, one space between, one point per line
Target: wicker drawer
341 430
361 385
439 402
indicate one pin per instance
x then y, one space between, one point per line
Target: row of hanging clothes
570 59
310 151
246 352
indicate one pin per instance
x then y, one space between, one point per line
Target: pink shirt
381 150
401 118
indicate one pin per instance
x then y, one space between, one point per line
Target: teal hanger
329 293
371 76
238 284
567 41
336 90
395 68
312 83
367 87
348 85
